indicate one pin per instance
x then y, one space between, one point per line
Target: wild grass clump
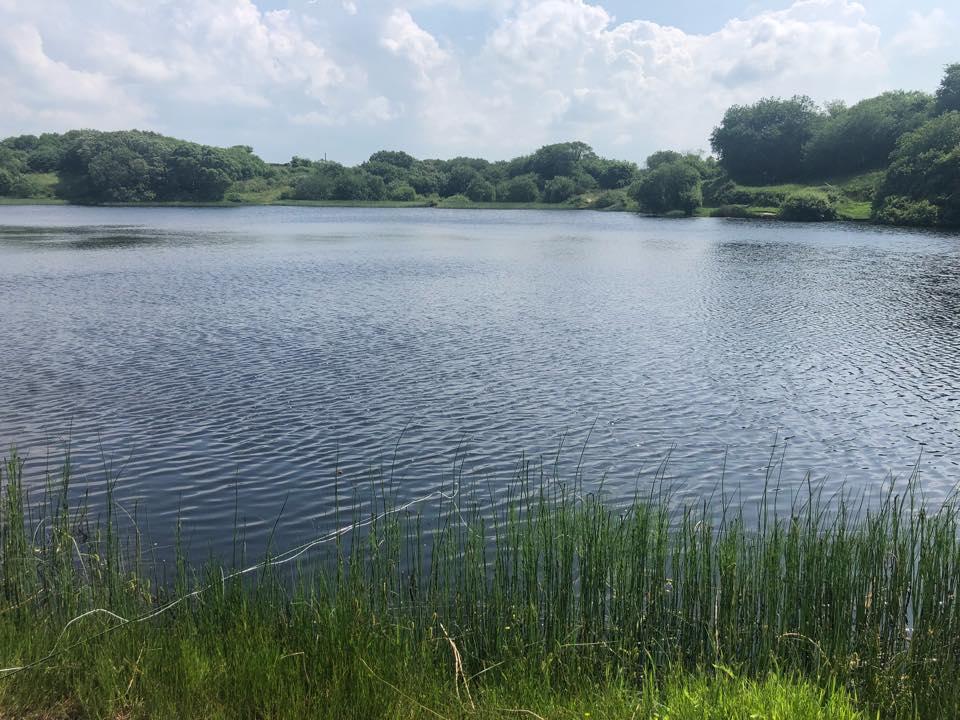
457 606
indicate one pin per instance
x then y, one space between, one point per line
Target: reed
459 606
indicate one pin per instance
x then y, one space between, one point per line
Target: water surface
233 360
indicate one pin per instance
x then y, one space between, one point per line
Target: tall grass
552 586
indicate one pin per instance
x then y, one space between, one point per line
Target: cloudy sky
438 78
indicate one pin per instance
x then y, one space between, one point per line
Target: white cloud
924 33
404 38
409 73
565 69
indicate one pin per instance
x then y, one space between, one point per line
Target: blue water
224 361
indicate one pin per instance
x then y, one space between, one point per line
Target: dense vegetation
549 604
893 157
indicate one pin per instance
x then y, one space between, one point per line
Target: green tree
401 191
763 143
558 189
559 159
672 186
948 94
862 137
479 190
616 174
397 158
458 179
522 189
8 181
926 166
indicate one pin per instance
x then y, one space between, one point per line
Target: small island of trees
893 159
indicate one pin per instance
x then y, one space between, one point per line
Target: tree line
909 140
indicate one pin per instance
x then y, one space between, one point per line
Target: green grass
551 602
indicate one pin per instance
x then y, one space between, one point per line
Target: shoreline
765 214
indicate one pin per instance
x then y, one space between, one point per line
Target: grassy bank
549 604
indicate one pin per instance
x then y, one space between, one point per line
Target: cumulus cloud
404 38
565 68
352 77
924 33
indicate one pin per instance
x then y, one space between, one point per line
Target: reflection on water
276 352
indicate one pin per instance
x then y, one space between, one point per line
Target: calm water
250 357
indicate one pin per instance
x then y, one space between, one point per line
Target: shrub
559 189
808 206
479 190
612 199
899 210
522 189
401 192
674 186
7 181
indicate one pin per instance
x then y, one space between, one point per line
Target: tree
948 94
522 189
559 189
458 179
672 186
7 181
560 159
397 158
926 167
862 137
479 190
401 191
616 174
763 143
662 157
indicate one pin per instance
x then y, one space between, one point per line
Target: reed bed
457 606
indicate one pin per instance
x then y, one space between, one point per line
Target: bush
479 190
522 189
674 186
808 206
559 189
401 192
612 199
899 210
7 181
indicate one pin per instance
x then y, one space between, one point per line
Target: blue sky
493 78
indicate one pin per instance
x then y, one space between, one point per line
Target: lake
228 362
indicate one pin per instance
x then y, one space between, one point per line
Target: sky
441 78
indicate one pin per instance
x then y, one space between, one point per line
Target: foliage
521 189
613 174
559 159
135 166
479 190
674 186
926 166
401 192
948 94
458 179
862 137
899 210
558 189
612 199
763 143
7 180
808 206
